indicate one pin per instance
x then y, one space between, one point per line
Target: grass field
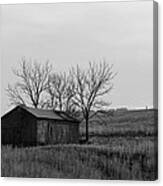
129 123
123 146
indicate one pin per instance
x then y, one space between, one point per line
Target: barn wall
52 132
18 128
29 128
42 131
10 127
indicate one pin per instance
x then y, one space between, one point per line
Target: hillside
134 123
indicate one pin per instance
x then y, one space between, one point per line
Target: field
122 146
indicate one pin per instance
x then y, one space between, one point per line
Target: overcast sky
75 33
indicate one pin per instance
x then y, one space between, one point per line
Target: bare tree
32 82
61 91
91 85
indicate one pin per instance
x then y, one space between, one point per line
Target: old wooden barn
30 126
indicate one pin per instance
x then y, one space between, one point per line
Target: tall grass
123 161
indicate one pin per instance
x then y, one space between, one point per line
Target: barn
30 126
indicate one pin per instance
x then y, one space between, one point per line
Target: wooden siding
10 125
42 131
29 129
53 132
18 128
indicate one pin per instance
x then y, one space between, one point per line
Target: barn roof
48 114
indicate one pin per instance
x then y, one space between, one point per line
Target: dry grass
127 124
135 161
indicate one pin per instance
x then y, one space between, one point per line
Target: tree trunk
87 132
60 103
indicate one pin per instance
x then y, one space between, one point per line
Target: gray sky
75 33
